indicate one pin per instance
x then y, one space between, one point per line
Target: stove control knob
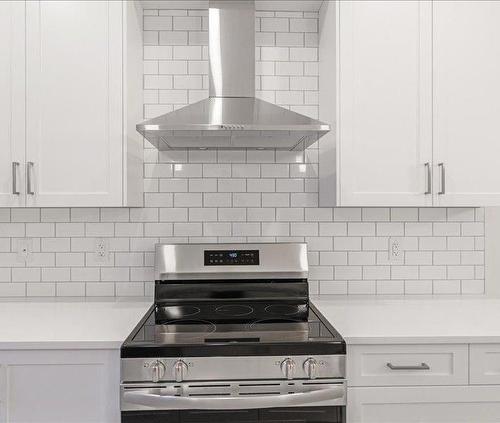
288 368
311 368
157 371
180 370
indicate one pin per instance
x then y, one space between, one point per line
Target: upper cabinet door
385 117
467 102
12 92
74 103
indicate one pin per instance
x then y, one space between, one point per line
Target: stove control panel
233 368
232 257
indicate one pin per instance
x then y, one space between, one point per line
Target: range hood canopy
232 118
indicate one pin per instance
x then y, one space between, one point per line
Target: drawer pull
422 366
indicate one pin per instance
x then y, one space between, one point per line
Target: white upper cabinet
12 103
418 104
78 148
74 102
467 102
384 131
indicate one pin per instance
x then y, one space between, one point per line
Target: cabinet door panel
74 102
447 365
59 386
467 101
425 404
385 112
12 89
485 364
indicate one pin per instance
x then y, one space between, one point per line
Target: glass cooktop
249 327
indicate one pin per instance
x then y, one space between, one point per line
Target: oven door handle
335 395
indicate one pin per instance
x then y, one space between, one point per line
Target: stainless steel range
233 337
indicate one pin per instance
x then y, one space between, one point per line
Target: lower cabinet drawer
424 404
485 364
396 365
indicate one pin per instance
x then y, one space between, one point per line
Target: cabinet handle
15 168
443 179
422 366
29 172
429 181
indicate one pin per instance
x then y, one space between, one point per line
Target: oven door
321 401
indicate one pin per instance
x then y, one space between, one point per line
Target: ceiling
288 5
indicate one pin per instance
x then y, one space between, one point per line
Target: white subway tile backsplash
274 53
202 185
304 25
375 214
446 287
447 229
40 229
289 68
258 214
172 38
274 24
288 39
261 185
234 214
392 287
202 214
275 229
25 215
157 23
183 23
390 229
361 287
217 229
275 200
187 53
239 196
158 229
421 287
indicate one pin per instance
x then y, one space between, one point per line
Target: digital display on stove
231 257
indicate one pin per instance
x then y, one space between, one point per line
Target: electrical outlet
101 249
396 253
24 249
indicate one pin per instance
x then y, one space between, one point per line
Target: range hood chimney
232 118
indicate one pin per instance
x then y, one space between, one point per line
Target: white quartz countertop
64 324
411 321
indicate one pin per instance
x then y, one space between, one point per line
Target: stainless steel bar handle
171 402
443 179
429 179
29 176
15 168
422 366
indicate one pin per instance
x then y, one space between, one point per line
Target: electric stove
232 328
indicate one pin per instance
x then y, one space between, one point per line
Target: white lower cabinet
425 383
485 364
395 365
60 386
424 404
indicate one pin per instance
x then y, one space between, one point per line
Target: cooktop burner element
234 310
263 324
284 309
181 312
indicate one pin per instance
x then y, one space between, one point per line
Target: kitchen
384 237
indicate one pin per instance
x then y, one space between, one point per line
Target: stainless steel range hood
232 118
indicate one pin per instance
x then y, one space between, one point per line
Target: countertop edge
60 345
394 340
